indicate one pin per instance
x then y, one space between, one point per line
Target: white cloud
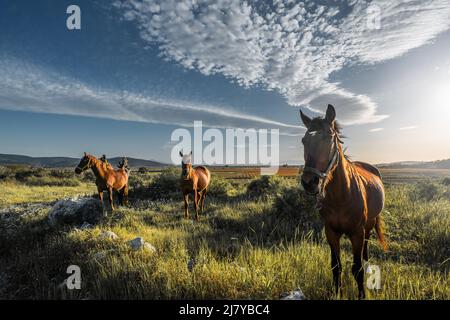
408 128
376 129
25 87
289 47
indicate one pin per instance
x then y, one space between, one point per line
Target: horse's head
186 165
321 149
85 164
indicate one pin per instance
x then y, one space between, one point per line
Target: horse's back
368 167
204 177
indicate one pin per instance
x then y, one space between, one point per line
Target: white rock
137 243
85 226
297 294
108 235
75 211
149 247
103 254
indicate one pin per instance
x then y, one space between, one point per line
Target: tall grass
243 247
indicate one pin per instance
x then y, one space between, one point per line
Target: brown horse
107 178
350 194
193 180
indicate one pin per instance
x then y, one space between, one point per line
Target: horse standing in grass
193 180
350 194
107 178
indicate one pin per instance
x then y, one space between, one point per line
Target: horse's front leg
186 204
336 267
357 239
196 200
111 198
100 196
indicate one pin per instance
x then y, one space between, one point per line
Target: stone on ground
75 211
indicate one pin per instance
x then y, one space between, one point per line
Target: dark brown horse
193 180
350 194
107 178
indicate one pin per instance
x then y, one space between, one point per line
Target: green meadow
257 239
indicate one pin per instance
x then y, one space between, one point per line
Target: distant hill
439 164
62 162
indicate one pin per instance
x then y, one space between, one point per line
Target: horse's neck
99 169
340 183
191 178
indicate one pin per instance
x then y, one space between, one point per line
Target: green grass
17 193
245 247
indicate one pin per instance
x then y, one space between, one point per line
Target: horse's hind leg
125 195
120 196
366 246
357 240
203 200
336 267
368 227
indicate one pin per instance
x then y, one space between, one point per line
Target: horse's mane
96 160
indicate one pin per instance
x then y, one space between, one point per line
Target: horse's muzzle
77 170
311 184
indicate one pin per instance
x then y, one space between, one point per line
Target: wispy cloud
26 87
287 46
408 128
376 129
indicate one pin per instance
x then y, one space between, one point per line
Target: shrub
446 181
88 176
220 188
166 185
51 181
424 191
63 174
295 205
268 186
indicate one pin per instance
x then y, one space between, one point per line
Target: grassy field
258 238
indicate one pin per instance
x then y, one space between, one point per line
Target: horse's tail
379 228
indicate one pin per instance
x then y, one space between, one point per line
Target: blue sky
137 70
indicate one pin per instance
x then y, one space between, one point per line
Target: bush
220 188
446 181
88 176
424 191
266 187
166 185
294 204
39 176
63 174
51 181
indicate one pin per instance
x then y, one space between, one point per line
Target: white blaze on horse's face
186 165
187 159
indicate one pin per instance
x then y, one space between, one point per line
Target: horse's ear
331 114
181 154
306 120
85 154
